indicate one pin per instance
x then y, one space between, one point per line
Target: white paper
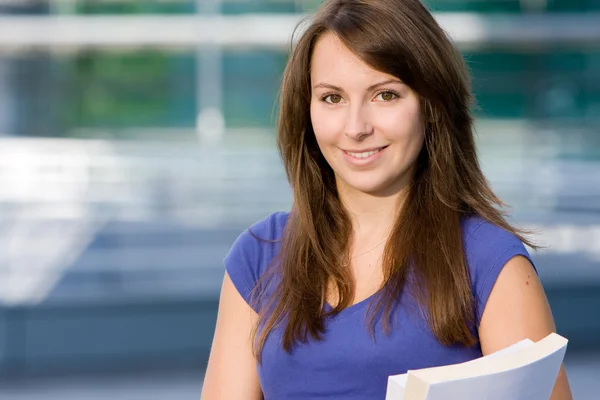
531 382
395 387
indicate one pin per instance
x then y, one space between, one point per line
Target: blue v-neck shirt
349 363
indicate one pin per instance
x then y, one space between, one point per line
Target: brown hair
401 38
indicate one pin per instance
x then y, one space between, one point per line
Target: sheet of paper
397 383
395 387
534 381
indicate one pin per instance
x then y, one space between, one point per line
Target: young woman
394 255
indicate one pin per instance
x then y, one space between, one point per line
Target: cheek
325 125
406 125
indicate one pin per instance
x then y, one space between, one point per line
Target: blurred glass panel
121 93
573 5
244 6
183 6
133 89
130 7
18 7
250 86
274 6
557 85
474 5
513 5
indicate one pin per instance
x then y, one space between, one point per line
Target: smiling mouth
364 154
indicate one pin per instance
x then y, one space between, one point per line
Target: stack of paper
524 371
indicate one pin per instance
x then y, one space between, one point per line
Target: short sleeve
488 248
251 254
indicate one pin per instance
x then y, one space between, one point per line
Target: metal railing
468 30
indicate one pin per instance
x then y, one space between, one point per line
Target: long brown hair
401 38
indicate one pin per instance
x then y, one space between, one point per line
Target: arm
517 309
231 372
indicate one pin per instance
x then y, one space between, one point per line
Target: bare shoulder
517 308
231 352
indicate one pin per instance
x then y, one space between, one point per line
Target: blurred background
137 142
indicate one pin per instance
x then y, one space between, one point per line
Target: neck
373 216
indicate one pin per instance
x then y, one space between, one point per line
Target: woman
394 255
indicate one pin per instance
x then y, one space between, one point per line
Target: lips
360 154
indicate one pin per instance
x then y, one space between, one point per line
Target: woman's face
368 124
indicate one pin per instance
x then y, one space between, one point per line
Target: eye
332 99
387 95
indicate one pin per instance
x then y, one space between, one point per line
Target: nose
358 126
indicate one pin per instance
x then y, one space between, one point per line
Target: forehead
332 62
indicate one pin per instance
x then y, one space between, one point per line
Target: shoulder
481 236
256 243
488 248
262 232
253 251
271 227
485 242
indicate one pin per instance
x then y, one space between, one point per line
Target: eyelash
325 96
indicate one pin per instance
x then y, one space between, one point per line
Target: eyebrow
339 89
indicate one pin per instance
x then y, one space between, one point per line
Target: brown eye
333 99
387 96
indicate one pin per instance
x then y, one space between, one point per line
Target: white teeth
365 154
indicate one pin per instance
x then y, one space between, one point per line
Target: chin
367 187
375 185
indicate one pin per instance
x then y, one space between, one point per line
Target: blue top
348 363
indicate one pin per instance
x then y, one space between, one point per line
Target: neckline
357 305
